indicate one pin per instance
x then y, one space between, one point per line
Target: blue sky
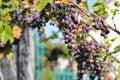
49 29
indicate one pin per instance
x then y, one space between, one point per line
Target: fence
64 76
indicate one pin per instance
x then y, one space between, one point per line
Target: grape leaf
83 4
5 11
1 55
113 39
9 56
9 33
118 70
42 4
99 8
65 1
4 37
110 58
101 1
1 26
14 2
16 32
0 3
113 11
6 34
116 3
117 48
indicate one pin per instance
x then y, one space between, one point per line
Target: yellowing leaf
65 1
8 17
110 58
16 32
9 56
1 55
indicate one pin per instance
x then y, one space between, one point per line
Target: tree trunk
7 71
25 55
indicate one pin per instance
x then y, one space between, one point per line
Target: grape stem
110 53
92 38
114 22
86 11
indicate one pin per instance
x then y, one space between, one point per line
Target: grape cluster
89 52
75 33
100 26
32 19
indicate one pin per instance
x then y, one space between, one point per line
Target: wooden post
25 55
37 55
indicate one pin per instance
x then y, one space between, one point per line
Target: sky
49 29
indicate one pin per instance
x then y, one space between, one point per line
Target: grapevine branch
92 38
113 21
86 12
110 53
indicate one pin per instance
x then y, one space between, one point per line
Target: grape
103 17
73 10
78 1
67 31
67 17
69 45
88 23
67 22
95 19
100 24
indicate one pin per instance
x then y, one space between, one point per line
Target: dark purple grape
67 22
78 1
69 45
95 19
73 10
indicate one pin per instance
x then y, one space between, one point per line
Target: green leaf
113 39
1 25
4 37
42 4
118 78
65 1
101 1
99 8
0 3
117 48
110 58
118 69
83 4
113 11
9 33
14 2
116 3
6 34
5 11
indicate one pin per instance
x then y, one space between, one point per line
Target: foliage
118 78
46 74
99 8
50 46
42 4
